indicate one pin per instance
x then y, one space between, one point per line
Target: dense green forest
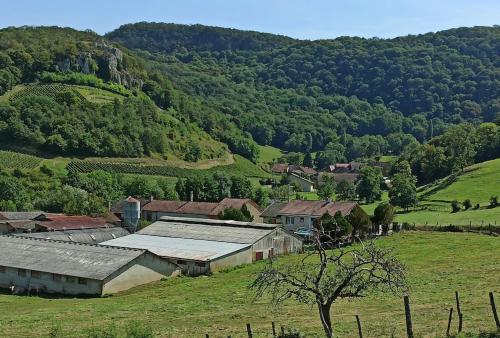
346 98
360 97
148 115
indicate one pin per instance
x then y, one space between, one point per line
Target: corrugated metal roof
221 222
64 222
88 236
224 233
19 215
64 258
182 248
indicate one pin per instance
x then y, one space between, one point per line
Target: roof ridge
69 243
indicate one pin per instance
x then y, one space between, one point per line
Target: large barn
39 265
204 245
86 236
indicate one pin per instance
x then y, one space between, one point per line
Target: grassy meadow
221 304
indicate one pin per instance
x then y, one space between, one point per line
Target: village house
284 168
155 209
29 265
270 214
302 214
201 246
303 183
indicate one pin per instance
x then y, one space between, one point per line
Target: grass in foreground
438 264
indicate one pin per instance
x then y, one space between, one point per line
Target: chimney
151 198
191 196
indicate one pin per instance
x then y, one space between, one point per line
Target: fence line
271 331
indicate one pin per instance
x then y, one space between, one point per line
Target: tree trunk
324 315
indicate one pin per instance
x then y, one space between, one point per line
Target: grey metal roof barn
193 249
209 230
87 236
64 258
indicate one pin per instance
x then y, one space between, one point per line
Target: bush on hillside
493 201
455 206
467 204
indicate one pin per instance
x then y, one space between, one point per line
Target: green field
478 183
221 304
269 154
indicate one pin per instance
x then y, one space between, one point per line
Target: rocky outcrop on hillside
104 60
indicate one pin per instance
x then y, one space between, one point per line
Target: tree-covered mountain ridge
360 97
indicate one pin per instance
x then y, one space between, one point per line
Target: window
180 261
2 269
200 264
70 279
21 272
56 277
290 220
82 281
36 274
302 219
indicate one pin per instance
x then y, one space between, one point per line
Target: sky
303 19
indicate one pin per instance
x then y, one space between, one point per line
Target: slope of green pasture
221 304
269 154
478 183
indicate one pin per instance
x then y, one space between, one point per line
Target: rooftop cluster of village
57 253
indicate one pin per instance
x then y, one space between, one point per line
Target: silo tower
131 213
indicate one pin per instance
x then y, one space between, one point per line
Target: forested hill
69 92
357 97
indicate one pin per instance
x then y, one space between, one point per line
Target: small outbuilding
29 265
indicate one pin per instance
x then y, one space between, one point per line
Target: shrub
476 206
455 206
493 201
407 226
46 170
290 333
467 204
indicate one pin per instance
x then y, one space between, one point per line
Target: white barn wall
45 283
144 269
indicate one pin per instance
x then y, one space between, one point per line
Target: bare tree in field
326 275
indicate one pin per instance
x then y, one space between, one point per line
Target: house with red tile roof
300 213
156 209
55 222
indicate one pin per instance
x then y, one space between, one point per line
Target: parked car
304 232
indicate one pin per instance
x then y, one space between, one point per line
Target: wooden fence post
360 332
282 330
459 312
274 329
409 328
494 309
249 331
450 317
